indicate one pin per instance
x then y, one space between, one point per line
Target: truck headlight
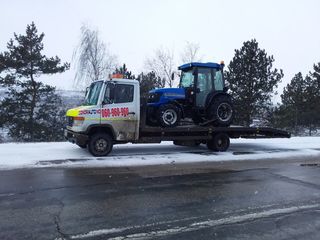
77 121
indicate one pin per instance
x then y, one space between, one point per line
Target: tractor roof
198 64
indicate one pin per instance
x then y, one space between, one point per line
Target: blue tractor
201 96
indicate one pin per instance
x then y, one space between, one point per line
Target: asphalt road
269 199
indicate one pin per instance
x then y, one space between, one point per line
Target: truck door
119 109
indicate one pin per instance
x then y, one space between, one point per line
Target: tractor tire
221 111
168 115
219 143
100 144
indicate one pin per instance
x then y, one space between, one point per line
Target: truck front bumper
77 138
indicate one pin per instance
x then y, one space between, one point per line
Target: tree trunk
310 129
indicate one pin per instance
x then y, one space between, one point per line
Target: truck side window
123 93
107 96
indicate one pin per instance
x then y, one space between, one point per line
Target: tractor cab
200 80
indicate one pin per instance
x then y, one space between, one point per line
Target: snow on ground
19 155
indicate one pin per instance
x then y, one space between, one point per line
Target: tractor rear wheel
221 111
169 115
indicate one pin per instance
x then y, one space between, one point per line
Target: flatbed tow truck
113 113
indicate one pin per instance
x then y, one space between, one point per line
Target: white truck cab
111 107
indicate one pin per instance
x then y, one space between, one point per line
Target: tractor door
204 86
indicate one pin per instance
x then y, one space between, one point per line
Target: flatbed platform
194 132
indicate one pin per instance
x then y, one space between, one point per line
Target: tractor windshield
187 79
93 93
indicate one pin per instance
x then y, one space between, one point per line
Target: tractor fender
211 96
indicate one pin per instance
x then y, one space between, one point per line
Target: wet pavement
265 199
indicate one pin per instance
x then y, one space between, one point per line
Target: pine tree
252 81
125 72
315 95
293 101
30 109
300 103
148 82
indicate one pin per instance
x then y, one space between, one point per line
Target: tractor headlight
154 97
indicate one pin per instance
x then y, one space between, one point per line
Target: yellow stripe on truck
72 112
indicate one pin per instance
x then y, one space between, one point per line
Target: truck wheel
100 144
219 143
169 115
222 111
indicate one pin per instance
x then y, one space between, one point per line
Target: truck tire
221 111
168 115
219 143
100 144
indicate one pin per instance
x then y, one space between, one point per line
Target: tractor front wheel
169 115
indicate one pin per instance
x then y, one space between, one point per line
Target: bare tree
190 53
162 64
92 58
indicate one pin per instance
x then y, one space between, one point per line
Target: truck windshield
93 93
187 79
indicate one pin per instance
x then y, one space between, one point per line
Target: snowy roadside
20 155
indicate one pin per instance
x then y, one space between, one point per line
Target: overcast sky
289 30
